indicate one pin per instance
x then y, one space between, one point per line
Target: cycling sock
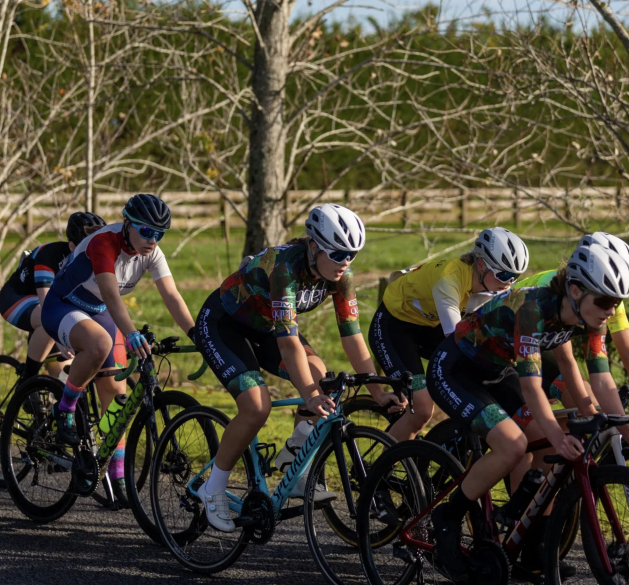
31 368
218 481
116 465
71 395
458 505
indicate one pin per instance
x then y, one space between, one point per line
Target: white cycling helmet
502 250
599 270
334 227
607 241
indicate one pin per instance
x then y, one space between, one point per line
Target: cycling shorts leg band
244 382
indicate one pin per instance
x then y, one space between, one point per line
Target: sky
512 10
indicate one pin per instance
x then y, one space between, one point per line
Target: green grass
204 262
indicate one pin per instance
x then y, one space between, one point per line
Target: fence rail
455 207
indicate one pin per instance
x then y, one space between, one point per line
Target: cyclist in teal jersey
492 366
250 323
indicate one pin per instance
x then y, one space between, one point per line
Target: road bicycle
45 476
420 475
340 452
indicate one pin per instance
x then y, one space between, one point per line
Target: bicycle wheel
330 530
184 449
9 377
35 464
364 411
139 453
413 472
610 484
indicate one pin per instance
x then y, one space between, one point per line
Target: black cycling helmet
77 224
147 209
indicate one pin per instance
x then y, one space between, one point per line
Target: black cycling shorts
16 308
235 352
400 346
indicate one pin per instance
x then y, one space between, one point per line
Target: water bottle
109 416
522 497
293 445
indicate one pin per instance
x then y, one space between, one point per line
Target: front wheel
180 467
9 379
139 453
331 530
610 486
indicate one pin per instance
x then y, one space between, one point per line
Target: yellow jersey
434 293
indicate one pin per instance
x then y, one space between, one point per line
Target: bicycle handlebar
124 374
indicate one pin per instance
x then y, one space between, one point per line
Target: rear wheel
9 377
36 465
364 411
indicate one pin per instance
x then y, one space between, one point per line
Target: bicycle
45 477
493 547
340 451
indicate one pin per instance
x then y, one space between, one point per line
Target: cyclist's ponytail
558 283
468 258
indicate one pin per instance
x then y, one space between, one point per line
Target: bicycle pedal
266 452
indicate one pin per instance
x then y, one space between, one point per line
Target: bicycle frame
306 454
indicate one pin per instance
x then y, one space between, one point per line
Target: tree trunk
266 222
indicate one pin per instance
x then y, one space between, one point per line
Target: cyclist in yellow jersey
424 305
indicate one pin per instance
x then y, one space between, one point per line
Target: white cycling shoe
217 511
321 495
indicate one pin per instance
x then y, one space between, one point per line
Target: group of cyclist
498 350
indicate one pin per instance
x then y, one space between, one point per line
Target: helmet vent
506 261
608 283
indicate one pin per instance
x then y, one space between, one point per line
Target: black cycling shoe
448 545
66 426
120 491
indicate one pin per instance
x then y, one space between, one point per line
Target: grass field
204 262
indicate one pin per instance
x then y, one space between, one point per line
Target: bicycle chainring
85 472
259 507
489 564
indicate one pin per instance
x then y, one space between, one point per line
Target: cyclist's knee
98 348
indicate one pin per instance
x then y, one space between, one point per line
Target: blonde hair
469 258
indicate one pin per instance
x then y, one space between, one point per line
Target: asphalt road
94 546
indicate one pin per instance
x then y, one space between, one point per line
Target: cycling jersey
435 292
18 297
617 323
104 251
514 327
275 286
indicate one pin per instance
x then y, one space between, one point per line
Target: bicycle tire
26 431
365 411
9 378
183 527
139 454
419 459
338 563
600 477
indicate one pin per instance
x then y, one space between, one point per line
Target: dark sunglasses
503 276
339 256
606 303
148 233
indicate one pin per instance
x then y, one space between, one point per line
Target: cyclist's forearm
606 394
621 341
574 383
358 355
118 311
179 311
542 412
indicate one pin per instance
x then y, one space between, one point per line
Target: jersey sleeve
618 322
447 297
46 262
346 306
595 351
102 251
158 267
529 324
283 297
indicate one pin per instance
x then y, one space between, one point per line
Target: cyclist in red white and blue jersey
251 323
84 309
23 293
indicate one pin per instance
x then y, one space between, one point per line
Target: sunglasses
148 233
338 256
606 303
503 276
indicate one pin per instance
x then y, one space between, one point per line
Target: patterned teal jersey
514 328
275 286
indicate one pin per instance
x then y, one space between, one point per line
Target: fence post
225 220
406 217
463 195
517 218
619 202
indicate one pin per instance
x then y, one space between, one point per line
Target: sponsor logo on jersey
24 275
